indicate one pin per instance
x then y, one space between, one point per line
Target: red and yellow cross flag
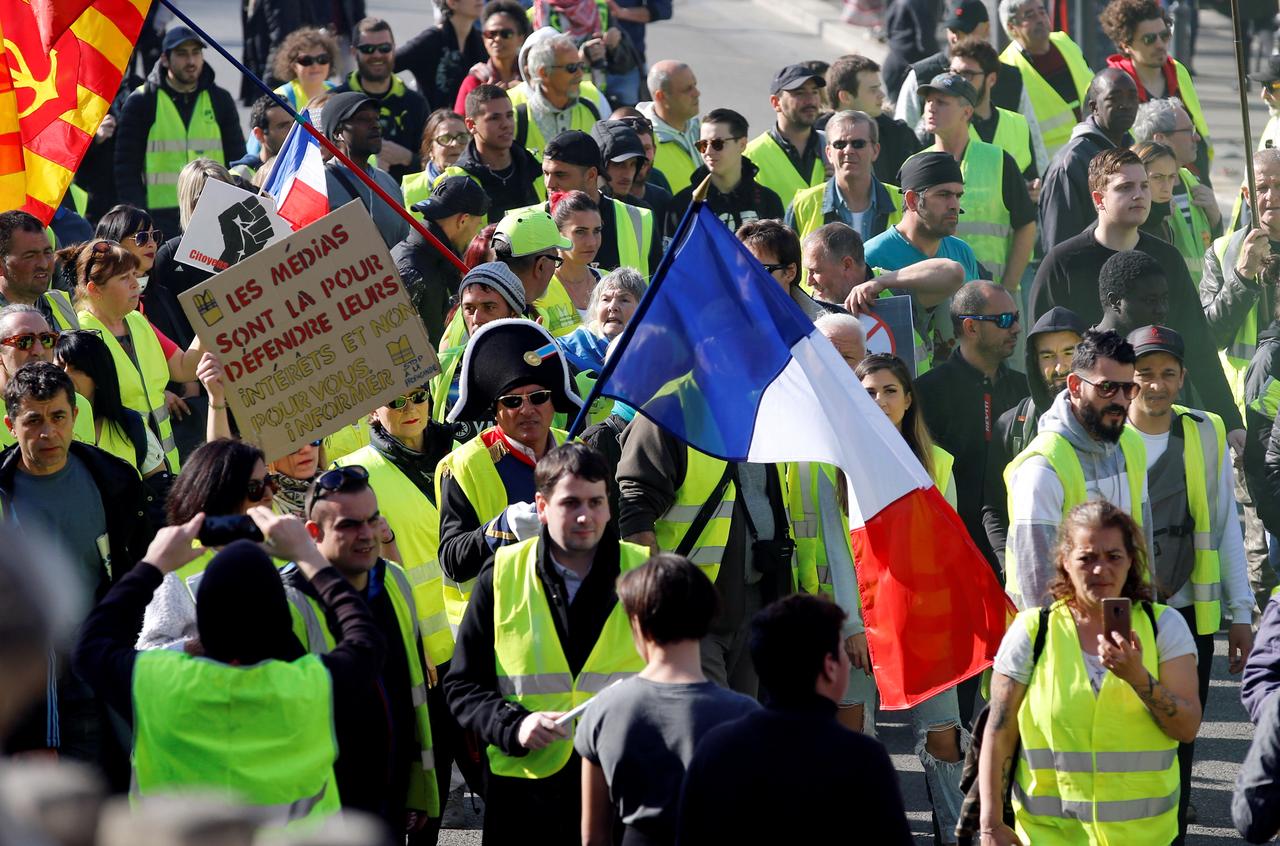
52 99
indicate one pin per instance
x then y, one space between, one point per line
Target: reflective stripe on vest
275 748
811 573
424 793
529 660
1192 237
985 225
559 315
1056 116
1238 354
64 314
701 476
776 172
1204 443
806 208
415 521
1061 455
172 144
1094 768
1012 135
309 626
634 229
141 385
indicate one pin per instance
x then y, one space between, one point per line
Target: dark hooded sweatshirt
1066 206
1017 426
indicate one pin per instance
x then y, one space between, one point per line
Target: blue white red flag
297 180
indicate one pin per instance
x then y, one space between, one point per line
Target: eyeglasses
1150 38
1106 388
148 236
450 140
514 401
317 442
259 489
370 49
557 259
308 61
1003 320
495 34
416 397
774 268
28 340
716 144
969 75
572 67
855 143
641 125
352 477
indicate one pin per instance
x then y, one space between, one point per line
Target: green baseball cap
525 232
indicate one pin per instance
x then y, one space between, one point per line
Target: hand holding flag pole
323 141
1242 82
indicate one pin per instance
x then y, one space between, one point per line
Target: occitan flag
52 101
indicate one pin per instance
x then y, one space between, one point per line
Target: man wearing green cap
527 241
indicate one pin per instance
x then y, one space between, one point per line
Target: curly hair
1121 18
1093 516
299 42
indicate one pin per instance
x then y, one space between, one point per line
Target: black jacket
514 191
898 142
1005 94
432 57
138 116
1066 207
960 408
402 114
471 685
265 29
430 278
1262 450
749 200
911 27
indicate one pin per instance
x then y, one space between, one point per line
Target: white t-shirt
1156 446
1173 640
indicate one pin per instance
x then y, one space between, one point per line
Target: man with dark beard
1083 452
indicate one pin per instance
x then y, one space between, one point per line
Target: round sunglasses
308 61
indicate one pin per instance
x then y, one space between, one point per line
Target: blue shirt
890 251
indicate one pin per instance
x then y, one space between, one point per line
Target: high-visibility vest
64 314
776 172
559 315
923 349
1056 116
675 163
529 134
985 224
472 467
807 207
633 228
702 475
1236 357
1061 455
1187 94
310 628
172 144
1094 769
1013 135
1194 237
1204 442
453 344
141 385
346 440
416 524
115 440
262 732
530 663
83 429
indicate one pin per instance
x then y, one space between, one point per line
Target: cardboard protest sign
228 225
314 332
889 329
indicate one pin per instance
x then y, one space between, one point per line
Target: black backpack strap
1038 646
1151 615
591 107
704 514
522 125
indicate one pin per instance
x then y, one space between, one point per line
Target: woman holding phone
1099 714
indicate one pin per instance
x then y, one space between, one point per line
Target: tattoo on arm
1158 699
1006 773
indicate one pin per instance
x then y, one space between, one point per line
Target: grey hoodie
1036 495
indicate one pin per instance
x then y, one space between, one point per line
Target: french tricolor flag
720 356
297 180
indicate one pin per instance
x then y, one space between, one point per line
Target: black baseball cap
925 170
573 147
1149 339
340 107
792 77
965 15
175 35
950 84
454 195
617 141
1270 72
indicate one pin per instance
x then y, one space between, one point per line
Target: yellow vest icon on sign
400 350
207 307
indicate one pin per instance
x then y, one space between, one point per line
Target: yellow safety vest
583 119
141 385
82 431
633 227
558 314
1204 444
702 475
1056 116
310 628
1061 455
347 440
472 467
806 208
776 172
64 314
115 440
530 663
1094 769
416 524
1187 94
675 163
1194 237
452 345
985 225
1013 135
1236 357
171 145
263 733
923 350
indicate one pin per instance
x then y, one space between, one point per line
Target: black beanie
242 614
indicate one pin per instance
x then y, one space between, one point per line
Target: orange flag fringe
52 100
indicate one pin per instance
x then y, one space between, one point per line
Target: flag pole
1237 27
611 363
324 142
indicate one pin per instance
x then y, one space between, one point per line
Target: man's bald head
1112 99
675 91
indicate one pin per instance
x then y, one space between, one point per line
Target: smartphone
1117 616
222 529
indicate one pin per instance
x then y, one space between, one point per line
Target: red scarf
1125 64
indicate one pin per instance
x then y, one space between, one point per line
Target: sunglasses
1108 389
1003 320
1151 37
514 401
716 144
338 480
572 67
99 248
855 143
308 61
495 34
774 268
259 489
370 49
28 340
417 398
450 140
148 236
557 259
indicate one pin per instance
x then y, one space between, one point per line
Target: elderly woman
505 27
443 141
1098 713
613 302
